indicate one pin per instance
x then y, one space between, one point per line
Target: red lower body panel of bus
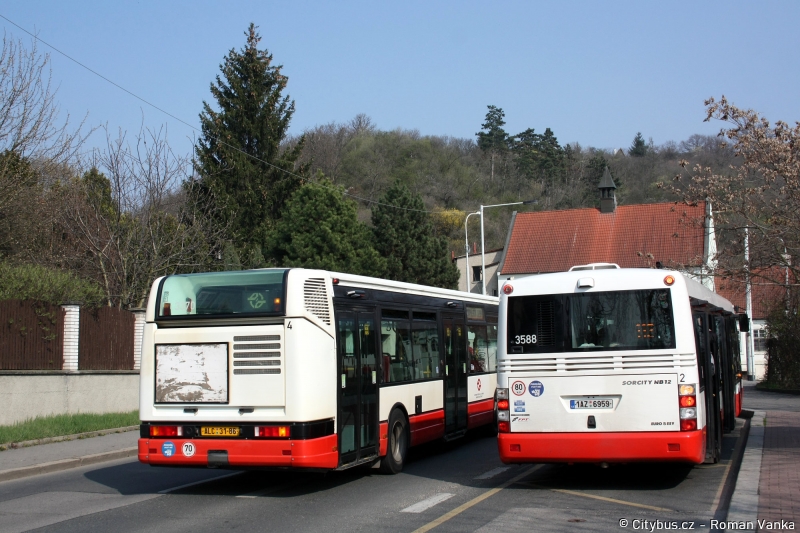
684 446
321 452
430 426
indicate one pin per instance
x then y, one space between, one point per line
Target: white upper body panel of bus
298 277
609 280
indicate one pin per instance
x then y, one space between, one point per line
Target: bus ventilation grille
257 353
316 299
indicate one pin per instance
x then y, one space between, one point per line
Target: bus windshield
241 293
620 320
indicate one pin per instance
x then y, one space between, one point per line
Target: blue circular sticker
168 449
536 388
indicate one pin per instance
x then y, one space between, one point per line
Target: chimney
608 201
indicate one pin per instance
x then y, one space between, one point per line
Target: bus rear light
503 427
669 280
166 431
687 401
687 407
502 405
507 289
274 432
503 416
502 394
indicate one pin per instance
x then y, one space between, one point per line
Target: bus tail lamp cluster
503 415
272 432
687 402
166 431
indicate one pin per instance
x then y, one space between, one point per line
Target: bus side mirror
744 323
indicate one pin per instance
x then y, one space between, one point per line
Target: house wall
492 263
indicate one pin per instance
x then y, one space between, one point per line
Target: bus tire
397 447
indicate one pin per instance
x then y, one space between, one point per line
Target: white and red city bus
602 364
310 369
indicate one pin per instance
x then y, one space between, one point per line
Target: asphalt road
445 487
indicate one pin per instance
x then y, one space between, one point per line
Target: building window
759 340
477 274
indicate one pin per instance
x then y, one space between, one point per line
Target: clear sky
594 72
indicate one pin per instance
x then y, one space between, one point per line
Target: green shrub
783 357
32 282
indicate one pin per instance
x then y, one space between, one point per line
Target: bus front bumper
688 446
309 453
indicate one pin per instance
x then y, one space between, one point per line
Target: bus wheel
395 458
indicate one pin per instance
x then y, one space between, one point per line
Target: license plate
593 403
207 431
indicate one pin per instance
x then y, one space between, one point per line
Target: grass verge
60 425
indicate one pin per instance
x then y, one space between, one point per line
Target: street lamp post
483 255
466 247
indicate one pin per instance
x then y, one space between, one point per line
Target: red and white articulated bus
310 369
603 364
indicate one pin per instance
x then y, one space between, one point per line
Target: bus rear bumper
688 446
309 453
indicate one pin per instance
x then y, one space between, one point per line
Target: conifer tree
404 236
320 229
239 159
493 138
638 146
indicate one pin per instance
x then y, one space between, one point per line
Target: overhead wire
235 148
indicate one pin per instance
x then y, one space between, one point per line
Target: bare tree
29 117
138 224
761 193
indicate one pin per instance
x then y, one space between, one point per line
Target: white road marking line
427 504
173 489
491 473
474 501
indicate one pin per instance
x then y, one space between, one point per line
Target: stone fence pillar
72 318
138 333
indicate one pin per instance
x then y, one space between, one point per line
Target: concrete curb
66 464
729 486
744 503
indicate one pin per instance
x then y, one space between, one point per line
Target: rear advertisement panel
192 373
594 403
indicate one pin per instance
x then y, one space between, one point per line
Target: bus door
726 375
455 374
706 364
357 376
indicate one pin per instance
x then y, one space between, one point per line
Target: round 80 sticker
188 449
518 388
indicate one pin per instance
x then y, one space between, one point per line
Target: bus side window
396 345
700 346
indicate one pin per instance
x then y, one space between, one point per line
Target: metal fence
31 335
106 339
41 336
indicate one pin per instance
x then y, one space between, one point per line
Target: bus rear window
621 320
242 293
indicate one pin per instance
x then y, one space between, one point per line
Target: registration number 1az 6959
595 403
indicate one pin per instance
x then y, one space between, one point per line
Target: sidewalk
768 485
45 458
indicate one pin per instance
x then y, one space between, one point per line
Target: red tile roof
764 294
632 236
